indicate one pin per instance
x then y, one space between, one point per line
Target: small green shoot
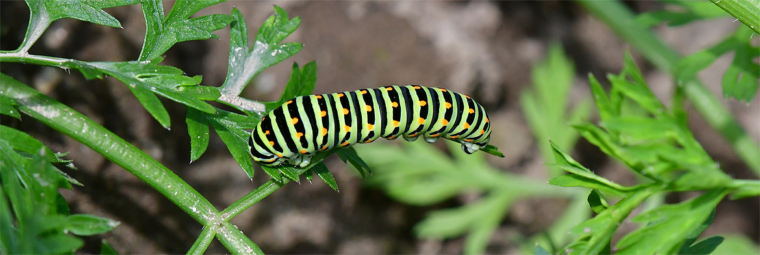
547 109
688 11
106 249
741 79
546 106
622 20
490 149
653 142
34 217
301 83
245 62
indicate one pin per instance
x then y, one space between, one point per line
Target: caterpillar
300 127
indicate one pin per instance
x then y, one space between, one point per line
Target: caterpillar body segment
299 128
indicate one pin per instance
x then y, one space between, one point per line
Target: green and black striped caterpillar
301 127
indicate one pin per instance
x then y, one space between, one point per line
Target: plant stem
744 182
242 104
235 241
251 198
37 25
621 20
203 241
746 11
26 58
75 125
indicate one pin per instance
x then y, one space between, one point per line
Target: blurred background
485 49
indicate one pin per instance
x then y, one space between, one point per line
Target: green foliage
105 249
87 225
688 247
706 246
24 143
737 244
321 170
652 141
622 20
34 217
44 12
246 62
162 32
419 174
348 155
540 251
582 177
90 11
741 79
546 107
687 12
490 149
655 143
547 110
746 11
301 83
597 202
8 107
145 78
671 227
229 126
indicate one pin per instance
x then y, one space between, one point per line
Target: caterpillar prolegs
301 127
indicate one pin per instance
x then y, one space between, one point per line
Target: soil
481 48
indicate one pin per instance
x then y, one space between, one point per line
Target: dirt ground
481 48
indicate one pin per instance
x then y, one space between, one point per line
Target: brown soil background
481 48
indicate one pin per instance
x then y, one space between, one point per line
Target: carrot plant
661 148
656 144
35 217
738 80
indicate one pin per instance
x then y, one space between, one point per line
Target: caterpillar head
473 146
263 156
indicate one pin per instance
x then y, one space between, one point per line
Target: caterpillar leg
410 138
302 160
431 139
470 148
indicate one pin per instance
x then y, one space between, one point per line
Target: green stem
621 20
254 197
39 21
258 194
75 125
23 57
235 241
242 104
26 58
203 241
619 212
746 11
743 182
